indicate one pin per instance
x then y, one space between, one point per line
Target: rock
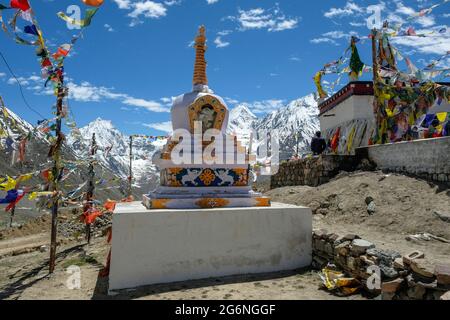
443 216
369 200
442 273
423 267
352 263
427 285
388 272
322 211
43 248
371 208
367 261
398 264
411 256
385 257
360 246
320 245
387 295
318 263
329 248
416 292
446 296
333 237
391 286
325 204
338 241
351 237
16 225
343 249
314 205
321 233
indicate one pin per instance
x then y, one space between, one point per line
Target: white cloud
108 27
220 43
425 21
170 3
429 45
123 4
2 74
148 9
144 8
150 105
161 126
86 92
349 9
272 20
323 40
212 1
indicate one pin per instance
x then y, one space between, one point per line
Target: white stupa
201 166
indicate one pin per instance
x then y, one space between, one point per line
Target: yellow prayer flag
9 184
442 116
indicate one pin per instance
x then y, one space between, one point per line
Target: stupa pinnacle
200 77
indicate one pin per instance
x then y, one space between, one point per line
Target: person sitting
318 144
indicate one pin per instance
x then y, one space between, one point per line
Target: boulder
343 249
423 267
446 296
443 216
442 273
413 255
398 264
360 246
392 286
416 292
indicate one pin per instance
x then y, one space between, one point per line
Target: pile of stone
382 272
74 228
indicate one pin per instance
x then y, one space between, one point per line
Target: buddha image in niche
207 116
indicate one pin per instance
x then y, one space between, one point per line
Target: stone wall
312 171
428 159
408 277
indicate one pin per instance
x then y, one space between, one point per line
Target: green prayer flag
82 23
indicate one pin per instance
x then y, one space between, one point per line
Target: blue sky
136 55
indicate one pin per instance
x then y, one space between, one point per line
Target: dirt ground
403 206
26 277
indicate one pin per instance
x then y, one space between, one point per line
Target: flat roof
354 88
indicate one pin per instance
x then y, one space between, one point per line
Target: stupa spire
200 62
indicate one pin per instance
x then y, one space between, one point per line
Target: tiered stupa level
194 172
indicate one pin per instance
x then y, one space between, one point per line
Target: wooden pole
130 176
91 186
13 211
56 171
375 68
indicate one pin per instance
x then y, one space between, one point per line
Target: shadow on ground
29 278
101 288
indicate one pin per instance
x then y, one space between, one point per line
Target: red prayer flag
110 206
20 4
89 216
46 62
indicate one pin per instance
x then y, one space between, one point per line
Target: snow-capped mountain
295 123
241 122
114 149
13 129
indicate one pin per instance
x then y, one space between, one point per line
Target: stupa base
205 202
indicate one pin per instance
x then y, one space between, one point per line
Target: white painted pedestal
163 246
